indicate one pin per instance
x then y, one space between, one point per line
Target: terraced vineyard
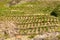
37 24
34 24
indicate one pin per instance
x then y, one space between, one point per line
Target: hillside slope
26 19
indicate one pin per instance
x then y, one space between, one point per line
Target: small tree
54 14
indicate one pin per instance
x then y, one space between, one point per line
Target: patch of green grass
31 36
35 7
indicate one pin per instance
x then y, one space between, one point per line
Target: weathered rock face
7 29
48 36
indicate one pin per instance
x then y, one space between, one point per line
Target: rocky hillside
29 20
